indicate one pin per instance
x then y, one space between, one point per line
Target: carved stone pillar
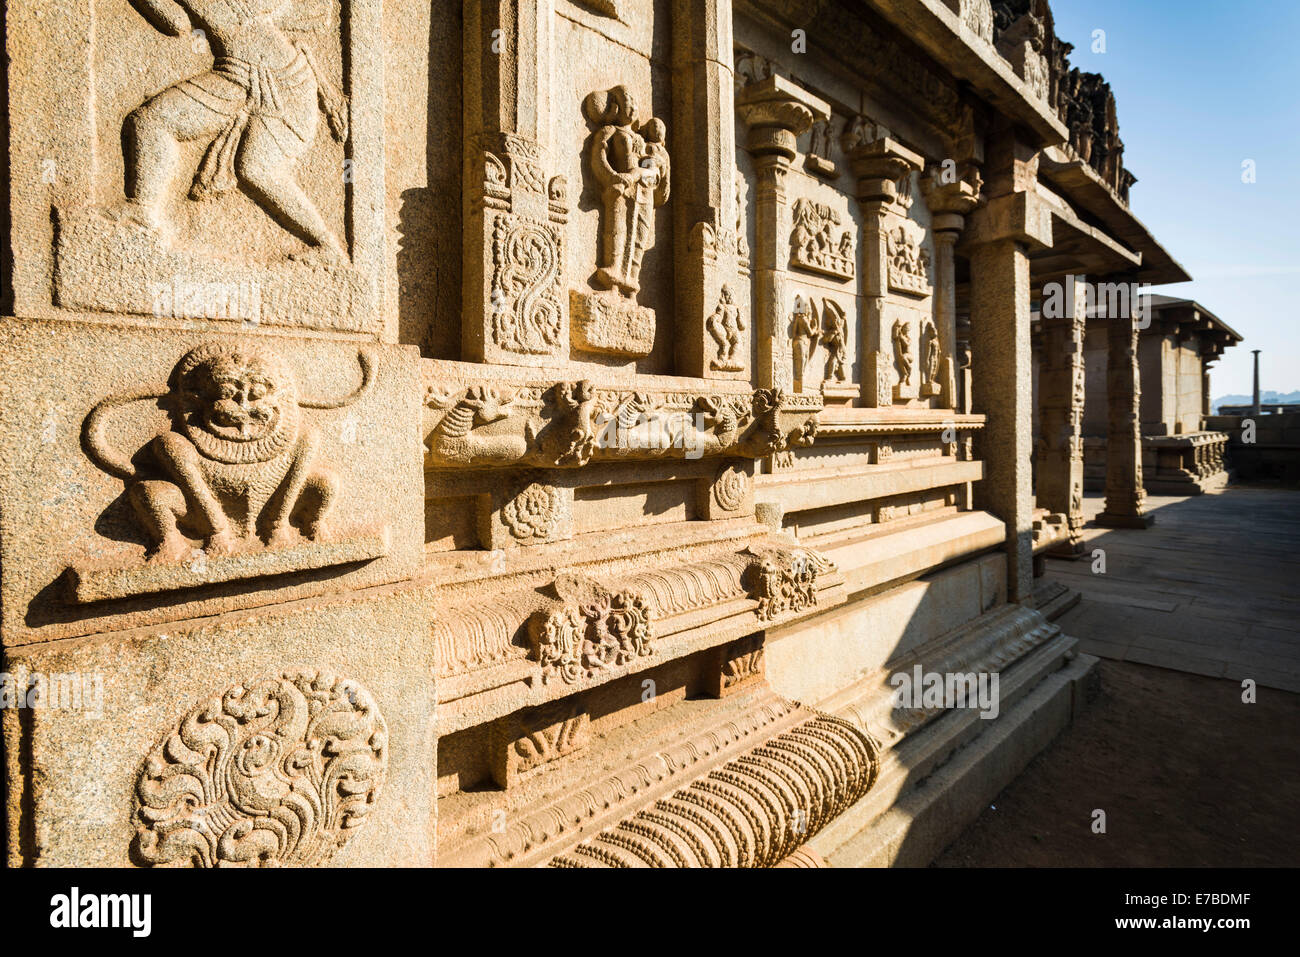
883 167
949 202
1060 410
999 237
516 311
776 112
713 328
1125 494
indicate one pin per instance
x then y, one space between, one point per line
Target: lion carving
238 467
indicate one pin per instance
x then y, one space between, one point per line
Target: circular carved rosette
534 513
274 772
729 488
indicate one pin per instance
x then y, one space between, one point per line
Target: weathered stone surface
269 129
611 375
328 750
190 473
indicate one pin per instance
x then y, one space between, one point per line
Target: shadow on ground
1188 775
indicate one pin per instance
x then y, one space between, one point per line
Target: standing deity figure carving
835 340
930 354
630 163
804 334
727 327
903 350
256 108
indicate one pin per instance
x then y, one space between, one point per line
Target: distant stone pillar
1125 495
1254 402
999 238
1207 403
1060 411
776 111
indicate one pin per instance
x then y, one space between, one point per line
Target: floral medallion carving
730 488
273 772
534 514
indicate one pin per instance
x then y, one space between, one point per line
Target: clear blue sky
1200 86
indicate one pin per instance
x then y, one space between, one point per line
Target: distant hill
1266 396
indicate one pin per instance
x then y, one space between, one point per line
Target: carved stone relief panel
199 472
272 772
738 664
189 123
909 262
818 158
627 159
236 479
590 629
525 743
499 424
821 340
522 214
817 244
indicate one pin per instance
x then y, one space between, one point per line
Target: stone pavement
1210 589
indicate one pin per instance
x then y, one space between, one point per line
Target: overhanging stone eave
1081 185
1219 327
950 43
1080 249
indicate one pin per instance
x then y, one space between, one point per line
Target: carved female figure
930 350
630 163
804 334
903 350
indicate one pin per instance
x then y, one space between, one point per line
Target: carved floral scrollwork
527 314
277 771
534 513
784 581
594 629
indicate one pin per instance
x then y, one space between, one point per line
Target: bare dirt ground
1188 776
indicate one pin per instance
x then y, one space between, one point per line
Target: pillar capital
950 199
777 111
1021 217
879 162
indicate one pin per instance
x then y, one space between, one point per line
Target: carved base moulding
736 782
989 645
579 632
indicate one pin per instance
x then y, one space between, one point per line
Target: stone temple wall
513 432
